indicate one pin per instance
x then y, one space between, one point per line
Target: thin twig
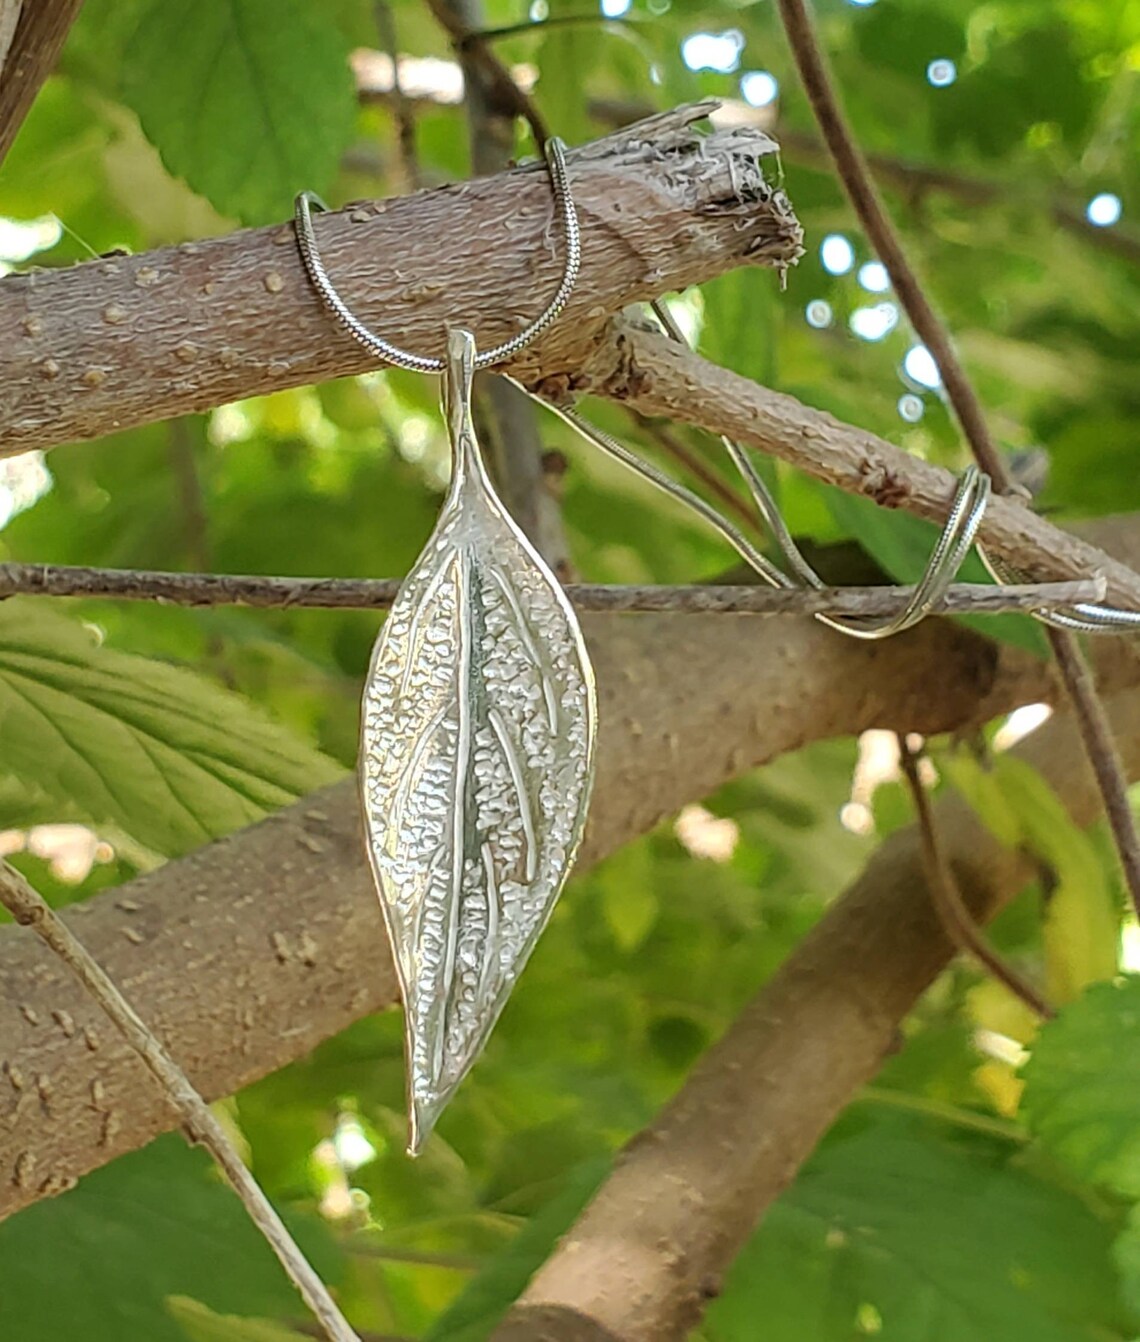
34 44
531 27
915 179
191 500
403 108
672 446
860 188
1101 747
503 88
29 910
493 100
865 199
957 921
9 18
268 593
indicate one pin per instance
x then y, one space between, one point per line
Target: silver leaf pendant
476 764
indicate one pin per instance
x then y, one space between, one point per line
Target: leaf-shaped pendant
476 764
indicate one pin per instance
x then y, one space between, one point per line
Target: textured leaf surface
477 747
250 101
100 1262
914 1238
169 758
1082 1086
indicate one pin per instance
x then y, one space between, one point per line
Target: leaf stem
954 1114
28 908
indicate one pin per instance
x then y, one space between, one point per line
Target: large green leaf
160 753
1082 925
915 1238
100 1262
250 101
1082 1086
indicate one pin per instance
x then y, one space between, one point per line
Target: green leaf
741 315
1081 931
203 1325
629 903
250 101
101 1262
169 758
918 1238
488 1296
1082 1086
903 544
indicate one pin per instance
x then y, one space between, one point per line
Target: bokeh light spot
911 407
837 254
758 88
713 51
920 367
941 73
1104 210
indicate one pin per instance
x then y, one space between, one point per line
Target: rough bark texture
128 340
660 377
233 589
247 953
646 1256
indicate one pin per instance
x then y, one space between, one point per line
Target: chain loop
307 201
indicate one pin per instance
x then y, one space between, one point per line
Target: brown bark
128 340
659 377
647 1254
247 953
235 589
35 46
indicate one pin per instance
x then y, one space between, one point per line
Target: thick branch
127 340
246 954
647 1254
659 377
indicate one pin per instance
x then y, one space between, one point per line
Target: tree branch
122 341
29 910
942 889
267 593
221 315
28 56
659 377
647 1254
860 188
246 954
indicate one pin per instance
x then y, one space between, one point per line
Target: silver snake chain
555 152
967 509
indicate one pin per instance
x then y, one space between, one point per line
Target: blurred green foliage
944 1205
